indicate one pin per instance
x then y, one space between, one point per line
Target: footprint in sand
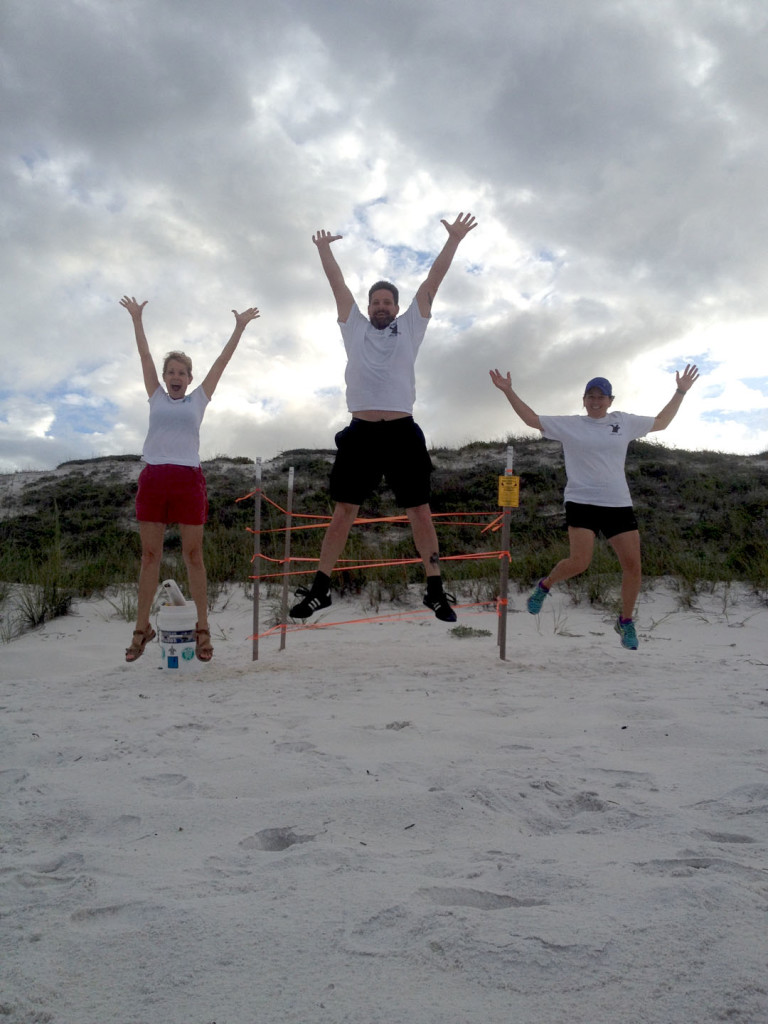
727 837
10 778
59 871
750 799
459 897
168 784
685 867
125 825
119 917
273 840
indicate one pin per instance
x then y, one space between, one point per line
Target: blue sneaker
537 598
626 631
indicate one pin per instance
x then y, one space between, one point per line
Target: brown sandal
203 645
135 651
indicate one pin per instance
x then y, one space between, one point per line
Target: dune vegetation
70 533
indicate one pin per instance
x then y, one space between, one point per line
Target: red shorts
172 494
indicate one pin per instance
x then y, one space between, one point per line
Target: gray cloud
615 155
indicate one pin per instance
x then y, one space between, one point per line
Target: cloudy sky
614 152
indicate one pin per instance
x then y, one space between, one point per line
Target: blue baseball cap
602 383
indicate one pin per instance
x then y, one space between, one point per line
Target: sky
614 153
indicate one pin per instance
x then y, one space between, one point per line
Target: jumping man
382 439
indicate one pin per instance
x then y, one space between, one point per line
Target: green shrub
703 518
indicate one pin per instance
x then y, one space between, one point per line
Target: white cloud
614 154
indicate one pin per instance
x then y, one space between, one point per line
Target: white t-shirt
595 451
380 370
174 428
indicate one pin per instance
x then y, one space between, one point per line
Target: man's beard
382 320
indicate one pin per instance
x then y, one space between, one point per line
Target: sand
386 823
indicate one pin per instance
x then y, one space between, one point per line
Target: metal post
504 566
256 559
286 559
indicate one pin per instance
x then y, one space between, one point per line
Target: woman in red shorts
172 485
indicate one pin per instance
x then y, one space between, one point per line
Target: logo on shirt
393 329
615 427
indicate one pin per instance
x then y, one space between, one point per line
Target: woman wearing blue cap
597 498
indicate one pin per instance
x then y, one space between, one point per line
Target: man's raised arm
461 227
345 300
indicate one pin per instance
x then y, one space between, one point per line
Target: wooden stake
286 559
256 559
504 566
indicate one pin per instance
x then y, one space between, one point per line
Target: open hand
502 383
133 307
463 224
244 318
689 376
325 238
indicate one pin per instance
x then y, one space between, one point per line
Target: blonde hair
180 357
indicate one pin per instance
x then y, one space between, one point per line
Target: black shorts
393 449
604 519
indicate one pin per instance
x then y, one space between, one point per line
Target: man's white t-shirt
380 370
595 451
174 428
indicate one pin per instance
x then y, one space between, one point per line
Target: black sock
321 584
434 586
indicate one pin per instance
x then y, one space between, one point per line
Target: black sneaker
309 603
441 606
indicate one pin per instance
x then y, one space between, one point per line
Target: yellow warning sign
509 491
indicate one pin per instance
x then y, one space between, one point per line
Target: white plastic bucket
176 626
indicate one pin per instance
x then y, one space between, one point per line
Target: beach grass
71 534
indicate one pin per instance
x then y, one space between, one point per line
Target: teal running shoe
537 598
626 631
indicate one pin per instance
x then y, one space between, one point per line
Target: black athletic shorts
603 519
393 449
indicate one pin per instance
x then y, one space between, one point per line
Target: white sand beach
387 824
